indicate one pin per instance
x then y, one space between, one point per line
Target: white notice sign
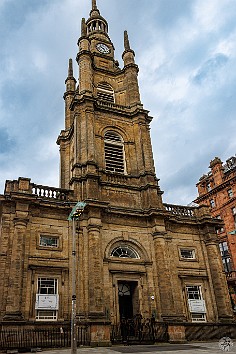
49 302
197 306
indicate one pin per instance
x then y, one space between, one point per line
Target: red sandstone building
218 190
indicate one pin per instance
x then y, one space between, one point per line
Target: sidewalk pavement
188 348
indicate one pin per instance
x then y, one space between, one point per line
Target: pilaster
15 285
164 277
96 302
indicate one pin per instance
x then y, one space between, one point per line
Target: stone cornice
65 134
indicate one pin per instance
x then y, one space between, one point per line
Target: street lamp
74 215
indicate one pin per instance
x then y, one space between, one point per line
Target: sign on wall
197 306
47 302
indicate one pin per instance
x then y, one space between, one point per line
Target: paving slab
188 348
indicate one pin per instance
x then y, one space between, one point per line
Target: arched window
114 152
105 92
124 251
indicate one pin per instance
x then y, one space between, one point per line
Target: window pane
46 315
188 254
124 252
193 292
230 193
47 286
48 241
198 317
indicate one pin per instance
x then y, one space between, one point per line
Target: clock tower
106 152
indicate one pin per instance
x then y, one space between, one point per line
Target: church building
135 255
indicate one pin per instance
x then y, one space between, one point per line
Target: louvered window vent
105 92
114 153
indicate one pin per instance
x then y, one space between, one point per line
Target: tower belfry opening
135 255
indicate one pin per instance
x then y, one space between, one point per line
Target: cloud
209 69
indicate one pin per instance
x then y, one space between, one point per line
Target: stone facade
217 189
134 254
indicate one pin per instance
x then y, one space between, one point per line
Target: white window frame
230 193
124 251
212 203
46 315
208 187
42 243
196 303
192 256
47 293
198 317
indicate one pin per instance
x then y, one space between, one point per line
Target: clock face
103 48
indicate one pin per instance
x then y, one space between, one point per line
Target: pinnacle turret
70 80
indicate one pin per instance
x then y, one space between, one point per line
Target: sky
186 53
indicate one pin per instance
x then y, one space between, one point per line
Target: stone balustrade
46 192
24 186
181 210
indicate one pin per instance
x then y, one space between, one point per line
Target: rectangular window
227 265
196 303
208 186
230 193
219 231
187 253
47 299
194 292
234 216
49 241
212 202
47 286
198 317
224 251
46 315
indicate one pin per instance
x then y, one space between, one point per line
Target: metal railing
27 339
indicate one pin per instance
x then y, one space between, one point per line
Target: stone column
218 277
15 284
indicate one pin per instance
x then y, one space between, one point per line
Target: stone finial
126 41
83 27
94 5
70 69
